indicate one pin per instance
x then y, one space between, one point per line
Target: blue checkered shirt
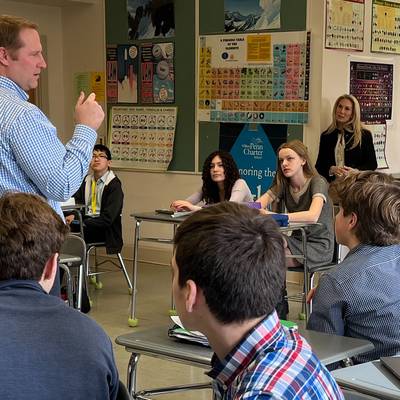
272 362
32 158
360 298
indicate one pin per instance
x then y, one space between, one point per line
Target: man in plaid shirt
228 269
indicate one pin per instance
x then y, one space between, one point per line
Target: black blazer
362 157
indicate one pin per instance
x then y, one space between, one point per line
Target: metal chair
309 275
96 272
73 254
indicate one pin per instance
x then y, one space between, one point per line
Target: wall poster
385 31
379 138
157 73
148 19
262 78
252 15
253 146
142 137
122 62
372 85
344 25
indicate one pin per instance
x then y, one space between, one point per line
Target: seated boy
360 297
48 350
228 271
102 194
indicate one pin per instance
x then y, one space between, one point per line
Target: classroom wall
50 20
76 43
335 81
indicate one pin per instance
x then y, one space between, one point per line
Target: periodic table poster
385 37
259 78
372 85
142 137
344 27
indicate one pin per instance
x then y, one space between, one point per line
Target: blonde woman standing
346 145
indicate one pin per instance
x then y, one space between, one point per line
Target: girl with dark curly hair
221 182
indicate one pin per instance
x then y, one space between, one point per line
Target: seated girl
221 182
302 193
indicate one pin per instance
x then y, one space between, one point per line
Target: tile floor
111 309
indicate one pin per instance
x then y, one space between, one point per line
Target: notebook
392 364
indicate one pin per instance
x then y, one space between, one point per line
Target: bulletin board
211 20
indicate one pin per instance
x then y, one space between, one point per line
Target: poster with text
112 76
261 78
148 19
385 30
379 138
344 27
372 85
157 73
253 147
252 15
90 82
142 137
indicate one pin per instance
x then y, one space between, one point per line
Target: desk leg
80 286
306 273
172 311
132 320
131 377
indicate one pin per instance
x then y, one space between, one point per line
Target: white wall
50 22
334 81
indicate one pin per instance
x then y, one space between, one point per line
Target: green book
289 324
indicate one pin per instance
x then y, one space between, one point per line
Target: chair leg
122 264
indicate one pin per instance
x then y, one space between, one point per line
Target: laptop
392 364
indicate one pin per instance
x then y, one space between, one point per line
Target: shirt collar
22 283
267 336
11 85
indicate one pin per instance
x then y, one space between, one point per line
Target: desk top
370 378
156 343
159 217
71 207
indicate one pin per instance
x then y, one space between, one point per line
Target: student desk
155 342
175 221
370 378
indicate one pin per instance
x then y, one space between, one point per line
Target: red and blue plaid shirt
272 362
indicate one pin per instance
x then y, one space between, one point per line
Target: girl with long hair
300 192
346 145
221 182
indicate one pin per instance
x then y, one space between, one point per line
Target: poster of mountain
252 15
149 19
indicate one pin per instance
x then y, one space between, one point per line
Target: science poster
157 73
142 137
253 146
127 71
379 137
385 30
90 82
148 19
372 85
252 15
262 78
344 27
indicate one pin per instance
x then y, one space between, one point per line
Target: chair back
75 246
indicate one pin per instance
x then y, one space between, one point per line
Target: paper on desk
182 333
69 202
